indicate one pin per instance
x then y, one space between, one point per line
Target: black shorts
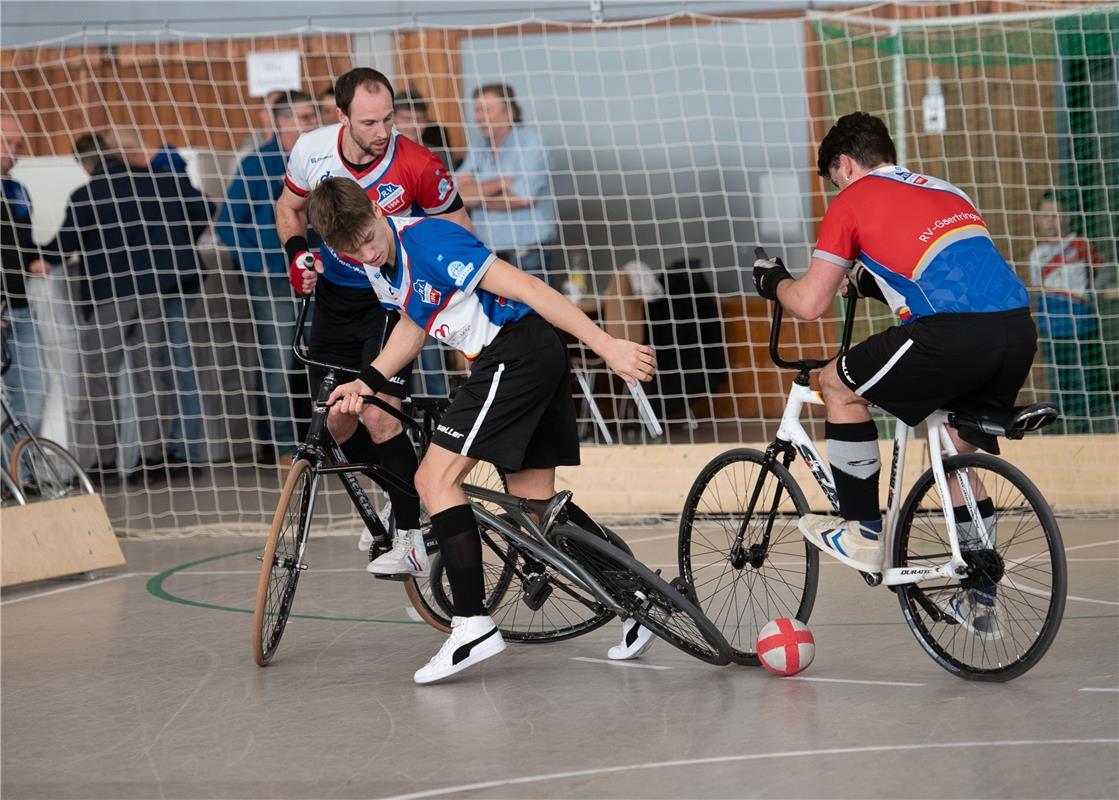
349 328
515 410
971 363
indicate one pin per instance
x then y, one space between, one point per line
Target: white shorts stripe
880 374
485 409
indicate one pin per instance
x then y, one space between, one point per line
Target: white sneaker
472 639
846 541
636 639
407 556
365 541
975 611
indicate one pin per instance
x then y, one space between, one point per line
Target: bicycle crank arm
895 576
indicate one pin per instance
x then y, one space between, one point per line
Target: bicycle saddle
1013 424
547 510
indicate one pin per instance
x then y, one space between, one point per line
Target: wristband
294 246
372 377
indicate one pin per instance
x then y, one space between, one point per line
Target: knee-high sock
399 457
853 455
457 532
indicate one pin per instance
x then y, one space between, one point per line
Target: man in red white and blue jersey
966 340
349 327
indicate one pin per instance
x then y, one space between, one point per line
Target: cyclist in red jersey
966 340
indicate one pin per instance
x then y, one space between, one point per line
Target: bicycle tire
741 590
419 590
9 489
646 597
57 475
516 581
281 563
1025 531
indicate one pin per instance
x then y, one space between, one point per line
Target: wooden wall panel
189 93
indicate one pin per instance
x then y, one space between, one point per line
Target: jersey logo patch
324 176
459 272
390 197
428 293
444 188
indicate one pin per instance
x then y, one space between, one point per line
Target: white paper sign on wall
273 71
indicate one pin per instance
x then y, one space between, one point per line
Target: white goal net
676 145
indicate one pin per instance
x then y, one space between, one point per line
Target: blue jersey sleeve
450 257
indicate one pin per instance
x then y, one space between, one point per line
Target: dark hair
339 211
506 93
283 105
365 77
860 136
90 149
327 92
410 100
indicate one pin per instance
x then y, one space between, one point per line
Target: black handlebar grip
759 252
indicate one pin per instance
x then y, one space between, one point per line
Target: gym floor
140 683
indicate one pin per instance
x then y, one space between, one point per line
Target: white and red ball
785 646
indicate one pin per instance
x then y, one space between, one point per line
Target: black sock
457 532
399 457
853 456
359 449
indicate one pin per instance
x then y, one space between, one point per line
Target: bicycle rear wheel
282 561
999 621
528 600
741 555
645 596
45 467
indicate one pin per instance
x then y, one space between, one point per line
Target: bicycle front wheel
45 467
645 596
741 555
282 560
999 621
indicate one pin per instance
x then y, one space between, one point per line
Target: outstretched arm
633 362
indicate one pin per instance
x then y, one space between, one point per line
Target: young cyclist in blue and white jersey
966 340
515 410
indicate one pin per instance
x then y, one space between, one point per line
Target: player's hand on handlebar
348 398
631 361
303 272
768 272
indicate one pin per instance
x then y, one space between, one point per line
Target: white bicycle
745 562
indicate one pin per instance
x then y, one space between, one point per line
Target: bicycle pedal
537 590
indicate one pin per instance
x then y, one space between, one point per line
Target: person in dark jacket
133 231
25 381
246 224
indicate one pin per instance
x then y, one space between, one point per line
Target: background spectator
505 182
328 106
126 228
246 224
1062 267
179 281
25 381
412 120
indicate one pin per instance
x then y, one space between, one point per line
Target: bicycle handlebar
806 364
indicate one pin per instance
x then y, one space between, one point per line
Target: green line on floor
155 588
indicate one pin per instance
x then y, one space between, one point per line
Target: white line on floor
82 585
1098 689
852 680
691 762
617 663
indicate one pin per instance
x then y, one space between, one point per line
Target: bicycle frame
792 438
536 540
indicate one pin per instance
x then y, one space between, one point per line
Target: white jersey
408 180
